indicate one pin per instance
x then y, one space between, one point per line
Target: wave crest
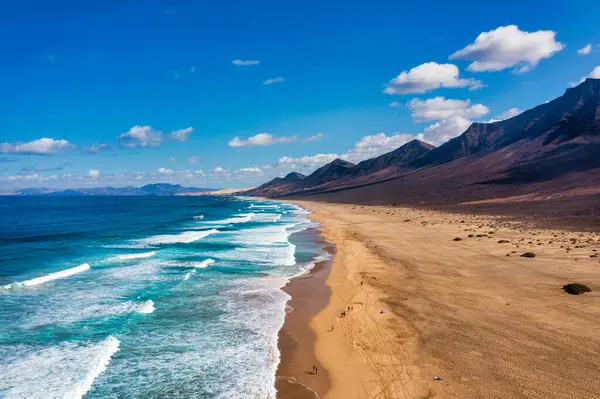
49 277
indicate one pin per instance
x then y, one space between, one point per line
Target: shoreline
309 294
441 294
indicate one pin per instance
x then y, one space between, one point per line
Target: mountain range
162 189
546 156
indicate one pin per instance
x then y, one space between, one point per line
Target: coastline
488 322
294 378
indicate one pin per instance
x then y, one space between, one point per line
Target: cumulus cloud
427 77
317 136
261 139
510 113
181 134
43 146
438 108
94 173
377 144
367 147
595 74
193 159
245 62
446 129
218 169
395 104
585 50
507 47
141 136
145 136
278 79
165 172
96 148
307 161
172 159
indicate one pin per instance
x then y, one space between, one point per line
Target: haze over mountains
162 189
550 152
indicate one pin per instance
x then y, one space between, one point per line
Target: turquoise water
146 297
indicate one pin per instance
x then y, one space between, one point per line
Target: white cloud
145 136
250 170
317 136
307 161
43 146
507 47
96 148
141 136
94 173
367 147
245 62
438 108
278 79
446 129
218 169
595 74
261 139
395 104
585 50
377 144
165 172
193 159
172 159
427 77
181 134
510 113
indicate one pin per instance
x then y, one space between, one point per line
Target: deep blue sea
154 297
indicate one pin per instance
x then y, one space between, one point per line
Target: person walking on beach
316 370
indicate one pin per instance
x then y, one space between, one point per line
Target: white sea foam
264 206
267 235
65 371
188 275
266 217
199 217
50 277
241 218
136 256
146 307
203 264
184 238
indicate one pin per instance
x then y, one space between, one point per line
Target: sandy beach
438 294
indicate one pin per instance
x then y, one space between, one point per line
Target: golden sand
490 323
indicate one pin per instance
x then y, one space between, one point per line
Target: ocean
153 297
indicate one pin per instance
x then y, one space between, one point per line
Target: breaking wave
50 277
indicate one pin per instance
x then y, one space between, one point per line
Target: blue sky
118 78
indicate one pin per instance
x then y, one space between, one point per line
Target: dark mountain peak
340 162
416 143
569 116
404 157
294 176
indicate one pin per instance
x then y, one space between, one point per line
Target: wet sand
294 377
440 294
